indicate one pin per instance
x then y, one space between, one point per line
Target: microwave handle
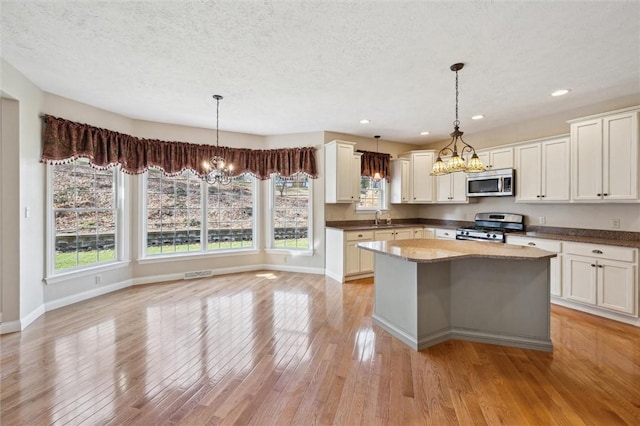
500 184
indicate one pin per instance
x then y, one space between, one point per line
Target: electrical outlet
615 223
542 220
98 279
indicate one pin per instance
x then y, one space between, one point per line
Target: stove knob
494 236
488 235
466 233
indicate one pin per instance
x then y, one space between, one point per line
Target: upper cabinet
497 158
604 158
421 182
542 171
342 172
400 180
451 188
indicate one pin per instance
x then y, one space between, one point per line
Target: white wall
21 149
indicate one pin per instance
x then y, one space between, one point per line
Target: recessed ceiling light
365 121
477 117
425 133
560 92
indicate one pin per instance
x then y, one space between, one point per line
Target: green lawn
69 260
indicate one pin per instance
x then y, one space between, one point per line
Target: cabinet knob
593 266
599 194
543 196
597 251
531 244
537 196
599 266
359 235
605 194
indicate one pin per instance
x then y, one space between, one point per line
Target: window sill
188 256
292 252
84 272
370 211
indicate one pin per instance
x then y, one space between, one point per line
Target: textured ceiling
301 66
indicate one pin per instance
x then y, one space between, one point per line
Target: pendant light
219 171
377 177
456 162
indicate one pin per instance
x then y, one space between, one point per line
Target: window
85 216
291 212
372 194
186 215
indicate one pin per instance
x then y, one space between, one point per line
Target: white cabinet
400 180
602 276
542 171
421 182
420 233
394 234
358 261
555 263
451 188
445 234
342 172
344 260
497 158
604 158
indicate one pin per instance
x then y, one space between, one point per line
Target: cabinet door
421 181
355 178
352 261
620 157
485 157
555 170
528 172
366 260
616 286
400 181
443 188
580 279
404 234
418 233
501 158
445 234
586 160
459 188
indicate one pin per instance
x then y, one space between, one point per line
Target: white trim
85 295
271 193
290 251
10 327
22 323
225 271
632 320
196 255
83 272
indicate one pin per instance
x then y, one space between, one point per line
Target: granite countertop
578 235
431 250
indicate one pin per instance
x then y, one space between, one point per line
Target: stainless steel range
491 227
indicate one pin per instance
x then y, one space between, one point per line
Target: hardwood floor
274 348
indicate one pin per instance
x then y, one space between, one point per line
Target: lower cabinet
445 234
602 276
344 260
357 261
394 234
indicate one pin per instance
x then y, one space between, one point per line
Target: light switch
27 212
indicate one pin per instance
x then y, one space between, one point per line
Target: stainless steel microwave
492 183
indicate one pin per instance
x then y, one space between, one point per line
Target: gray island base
430 291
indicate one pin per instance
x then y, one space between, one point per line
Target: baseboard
544 345
22 323
10 327
85 295
232 270
333 276
596 311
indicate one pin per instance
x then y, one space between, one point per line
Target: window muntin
230 214
85 216
186 215
372 194
291 212
174 213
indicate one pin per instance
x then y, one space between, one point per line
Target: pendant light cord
457 122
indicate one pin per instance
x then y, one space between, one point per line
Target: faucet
377 220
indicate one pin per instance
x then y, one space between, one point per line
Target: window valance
372 162
66 140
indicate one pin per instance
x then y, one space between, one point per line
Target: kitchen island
429 291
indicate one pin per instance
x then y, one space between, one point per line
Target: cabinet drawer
446 234
549 245
361 235
622 254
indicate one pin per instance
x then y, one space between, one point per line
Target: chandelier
456 162
377 177
218 170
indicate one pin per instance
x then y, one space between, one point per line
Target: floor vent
198 274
